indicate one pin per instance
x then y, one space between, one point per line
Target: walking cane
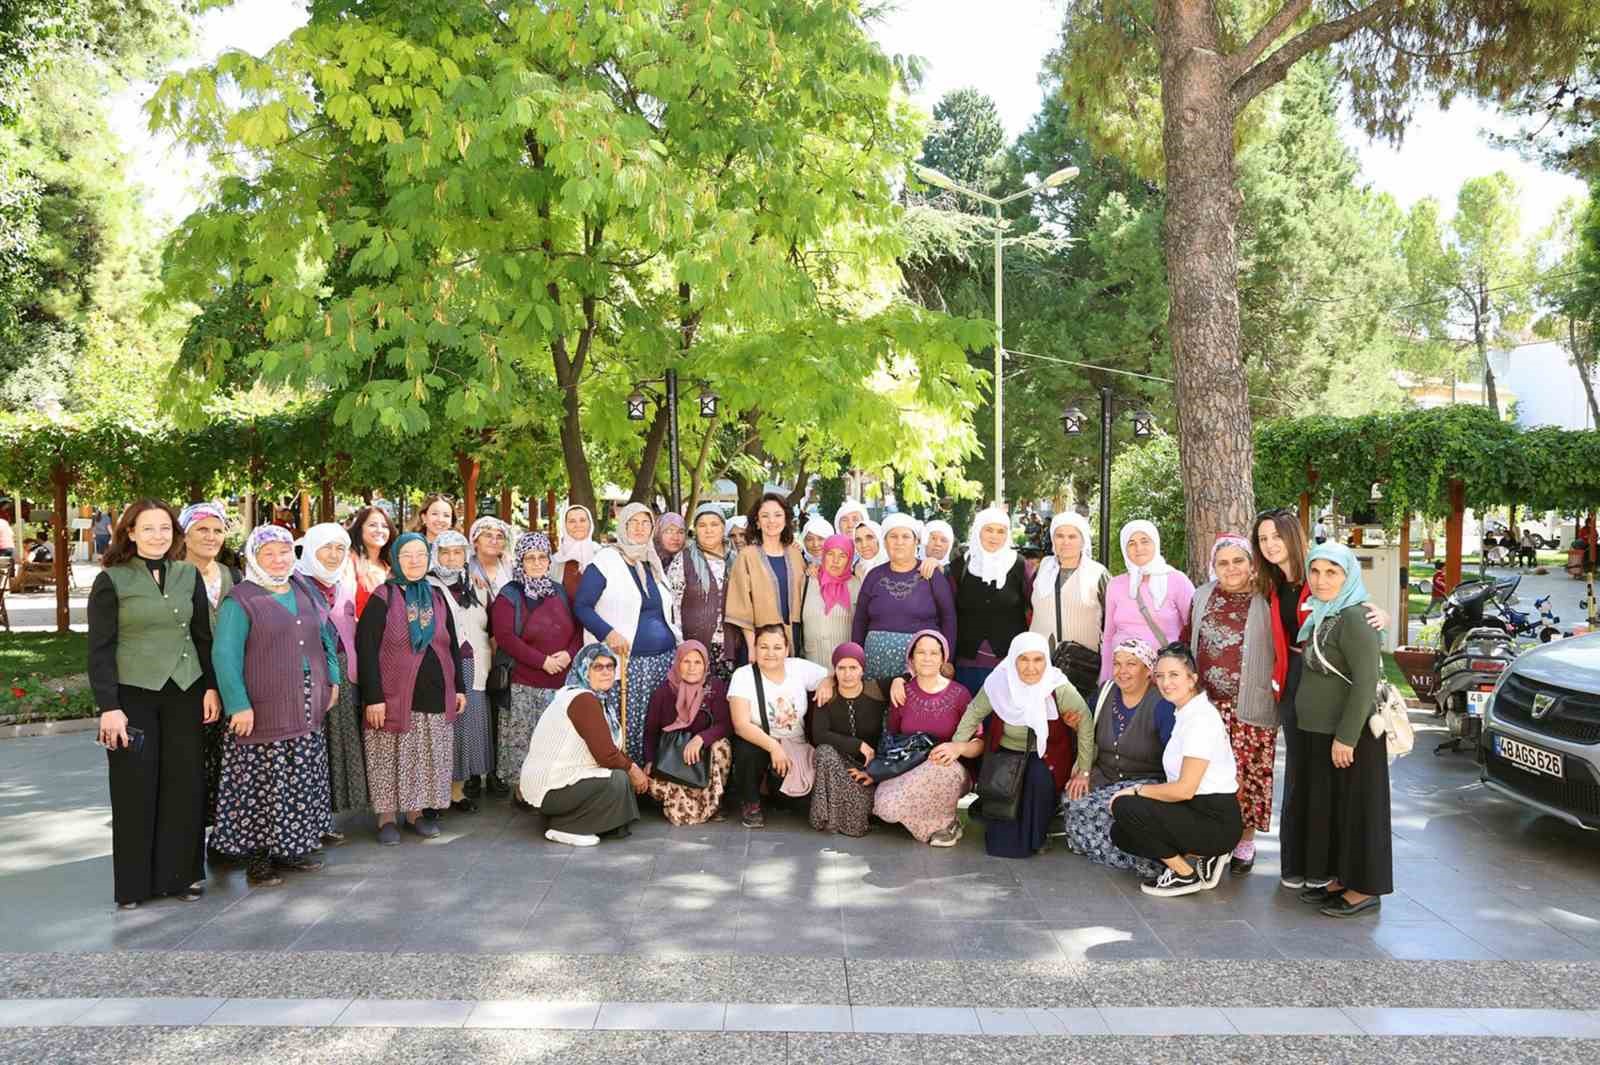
622 678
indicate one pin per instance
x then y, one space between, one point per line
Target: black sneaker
498 787
473 786
1170 885
260 873
753 817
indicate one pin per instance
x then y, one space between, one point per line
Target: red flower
17 693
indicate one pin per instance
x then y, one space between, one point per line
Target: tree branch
1269 32
1271 70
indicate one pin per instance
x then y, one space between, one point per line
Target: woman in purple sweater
532 622
896 601
695 701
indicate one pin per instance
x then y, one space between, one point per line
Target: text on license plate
1527 756
1476 702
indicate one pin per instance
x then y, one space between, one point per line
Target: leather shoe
425 827
1316 896
1339 906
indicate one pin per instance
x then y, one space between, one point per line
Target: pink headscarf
688 696
836 590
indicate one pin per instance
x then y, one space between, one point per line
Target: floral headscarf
610 701
536 589
260 536
203 509
454 578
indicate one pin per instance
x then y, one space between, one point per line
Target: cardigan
472 629
403 679
573 741
712 722
753 589
986 614
1124 619
1256 704
611 596
547 629
258 631
1080 624
1327 702
822 629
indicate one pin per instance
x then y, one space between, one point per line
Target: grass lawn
46 654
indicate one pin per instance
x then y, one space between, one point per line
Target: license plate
1526 756
1477 702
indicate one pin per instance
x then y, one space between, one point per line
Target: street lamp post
939 180
636 413
1144 425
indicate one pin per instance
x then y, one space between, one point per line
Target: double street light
938 180
638 400
1072 423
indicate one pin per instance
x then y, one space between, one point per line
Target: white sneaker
571 839
948 836
1171 885
1292 883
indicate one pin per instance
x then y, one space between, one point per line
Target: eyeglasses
604 667
1278 512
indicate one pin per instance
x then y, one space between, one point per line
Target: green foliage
1146 484
966 139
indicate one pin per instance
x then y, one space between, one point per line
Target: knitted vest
701 613
557 756
984 612
398 664
278 638
339 605
1136 756
154 644
1081 624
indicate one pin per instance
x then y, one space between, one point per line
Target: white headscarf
1090 573
850 506
896 521
1017 703
949 534
1156 569
317 537
572 549
817 526
865 565
990 566
503 571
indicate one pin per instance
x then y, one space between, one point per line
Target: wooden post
533 513
1405 578
505 505
1305 515
1452 533
470 468
325 504
550 515
305 511
58 481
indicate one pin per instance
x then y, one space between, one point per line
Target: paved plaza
490 944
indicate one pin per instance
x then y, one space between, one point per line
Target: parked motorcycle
1477 644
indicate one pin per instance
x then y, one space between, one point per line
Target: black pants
158 794
1204 825
1291 855
751 765
1344 815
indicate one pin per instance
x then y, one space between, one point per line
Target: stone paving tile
944 983
755 1017
35 1012
292 1013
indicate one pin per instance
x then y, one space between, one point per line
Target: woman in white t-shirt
774 741
1195 814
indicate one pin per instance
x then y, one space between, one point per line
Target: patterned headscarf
454 578
536 589
1137 648
502 573
610 701
1227 540
203 509
260 536
692 552
418 593
642 553
669 520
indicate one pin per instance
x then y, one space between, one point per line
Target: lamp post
939 180
636 413
1072 421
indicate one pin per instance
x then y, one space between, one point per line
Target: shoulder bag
670 765
1000 780
898 754
1080 664
1389 721
501 664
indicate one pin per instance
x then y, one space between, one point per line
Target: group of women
857 669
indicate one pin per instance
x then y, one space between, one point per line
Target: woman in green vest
150 670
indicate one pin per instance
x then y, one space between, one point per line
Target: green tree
966 140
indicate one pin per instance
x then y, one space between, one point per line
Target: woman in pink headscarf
692 701
828 607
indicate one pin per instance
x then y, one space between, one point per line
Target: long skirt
473 754
838 803
517 722
1291 856
273 799
923 800
1253 751
886 654
646 673
1088 822
1025 837
590 807
347 761
158 794
695 806
411 770
1344 816
212 736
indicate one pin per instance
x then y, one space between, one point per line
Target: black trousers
751 765
1344 815
158 794
1204 825
1291 855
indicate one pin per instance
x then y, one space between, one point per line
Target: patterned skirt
838 803
1088 823
1254 748
646 673
212 736
411 770
886 653
474 753
923 800
347 761
695 806
517 722
272 798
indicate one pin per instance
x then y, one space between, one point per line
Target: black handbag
1000 780
1081 664
671 766
501 664
899 753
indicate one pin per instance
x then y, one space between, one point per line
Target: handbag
1080 664
1000 779
774 778
898 754
671 766
501 664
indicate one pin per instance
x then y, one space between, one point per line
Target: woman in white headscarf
738 533
325 568
848 516
1150 601
817 530
938 543
1069 602
1027 706
490 565
474 742
870 554
992 589
576 549
623 601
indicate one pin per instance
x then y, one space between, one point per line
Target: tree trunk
644 479
325 502
469 468
58 536
697 478
580 485
1585 369
1214 442
1480 334
505 504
